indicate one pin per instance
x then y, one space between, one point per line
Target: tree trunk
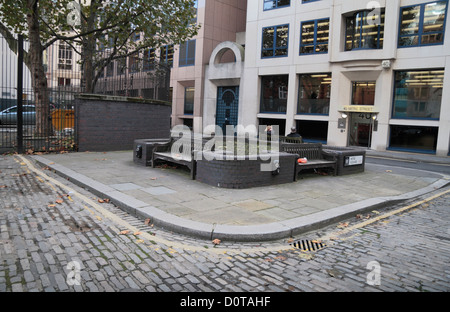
38 77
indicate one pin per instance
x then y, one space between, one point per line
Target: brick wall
110 123
246 173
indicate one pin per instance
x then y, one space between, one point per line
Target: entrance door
227 107
360 133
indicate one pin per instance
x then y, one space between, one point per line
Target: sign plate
353 160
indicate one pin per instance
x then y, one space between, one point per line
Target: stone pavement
174 202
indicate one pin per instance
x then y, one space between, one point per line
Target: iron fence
133 76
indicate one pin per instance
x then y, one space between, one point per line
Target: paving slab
172 200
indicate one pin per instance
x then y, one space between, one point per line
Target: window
363 93
364 30
314 94
422 24
166 55
275 4
274 91
189 101
63 81
313 131
134 63
64 56
187 53
413 138
149 60
418 94
275 41
314 36
307 1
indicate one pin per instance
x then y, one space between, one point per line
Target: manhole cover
308 245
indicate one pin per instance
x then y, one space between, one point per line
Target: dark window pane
314 94
413 138
274 91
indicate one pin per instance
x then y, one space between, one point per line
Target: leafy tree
88 26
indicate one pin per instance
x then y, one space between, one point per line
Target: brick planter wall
112 123
241 172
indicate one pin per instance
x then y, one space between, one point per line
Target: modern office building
344 72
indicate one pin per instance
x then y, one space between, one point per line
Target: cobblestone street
58 237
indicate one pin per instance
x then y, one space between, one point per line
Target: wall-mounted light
344 115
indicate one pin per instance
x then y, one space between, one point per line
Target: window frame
394 115
329 75
316 22
380 44
421 22
185 60
274 47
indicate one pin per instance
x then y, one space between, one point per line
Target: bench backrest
308 150
185 146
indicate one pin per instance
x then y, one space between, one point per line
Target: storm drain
308 245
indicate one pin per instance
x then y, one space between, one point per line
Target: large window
274 91
275 4
364 30
314 94
314 36
418 94
413 138
363 93
187 53
275 41
422 24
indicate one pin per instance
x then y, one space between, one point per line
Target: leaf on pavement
59 201
124 232
216 241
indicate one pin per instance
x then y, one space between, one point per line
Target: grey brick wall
110 123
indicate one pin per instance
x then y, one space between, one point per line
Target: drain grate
308 245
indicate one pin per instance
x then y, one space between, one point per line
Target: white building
344 72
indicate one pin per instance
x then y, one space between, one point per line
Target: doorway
227 107
361 127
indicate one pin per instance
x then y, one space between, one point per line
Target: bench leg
193 169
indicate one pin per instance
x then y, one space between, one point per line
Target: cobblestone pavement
58 237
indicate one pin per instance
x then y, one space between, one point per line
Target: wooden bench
287 139
315 155
180 151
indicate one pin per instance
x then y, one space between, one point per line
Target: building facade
344 72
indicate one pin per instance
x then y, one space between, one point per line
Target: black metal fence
134 76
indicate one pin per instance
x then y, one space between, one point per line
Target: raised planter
349 160
142 150
240 172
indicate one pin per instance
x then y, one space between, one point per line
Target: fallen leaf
51 205
375 212
3 186
147 221
139 241
216 241
101 200
388 170
98 218
59 201
342 224
124 232
137 233
282 258
106 200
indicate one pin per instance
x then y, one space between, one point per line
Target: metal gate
227 107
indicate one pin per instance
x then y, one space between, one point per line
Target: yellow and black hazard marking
308 245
